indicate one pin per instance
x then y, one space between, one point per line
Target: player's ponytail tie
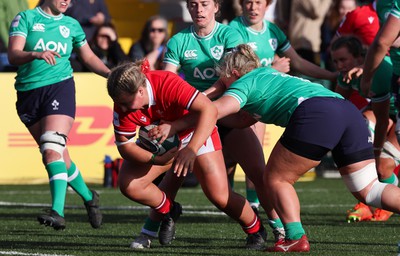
145 67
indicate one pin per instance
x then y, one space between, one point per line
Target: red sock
396 170
165 205
252 227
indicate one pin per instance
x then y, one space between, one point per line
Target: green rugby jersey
46 32
265 43
384 8
272 97
197 56
381 82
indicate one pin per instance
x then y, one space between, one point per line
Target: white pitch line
190 209
30 254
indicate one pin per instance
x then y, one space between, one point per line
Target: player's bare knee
366 178
220 200
52 146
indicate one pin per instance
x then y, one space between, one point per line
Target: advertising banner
90 139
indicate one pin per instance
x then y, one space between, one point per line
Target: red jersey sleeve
122 123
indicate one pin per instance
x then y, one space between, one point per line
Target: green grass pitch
201 230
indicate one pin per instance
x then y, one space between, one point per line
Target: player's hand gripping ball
153 145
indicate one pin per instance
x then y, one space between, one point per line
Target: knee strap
358 180
52 140
390 151
374 197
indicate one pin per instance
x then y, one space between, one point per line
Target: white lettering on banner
50 46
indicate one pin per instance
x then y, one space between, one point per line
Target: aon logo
205 74
51 46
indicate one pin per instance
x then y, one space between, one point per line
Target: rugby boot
360 212
288 245
52 219
381 215
167 227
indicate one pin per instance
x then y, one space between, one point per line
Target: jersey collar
253 31
150 92
48 16
209 36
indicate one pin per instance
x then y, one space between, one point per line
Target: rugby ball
153 145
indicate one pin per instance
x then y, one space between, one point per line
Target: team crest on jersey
217 51
64 31
274 43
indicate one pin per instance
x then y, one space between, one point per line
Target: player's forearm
97 66
186 122
17 57
375 54
216 90
204 127
309 69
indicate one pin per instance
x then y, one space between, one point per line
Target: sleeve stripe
285 47
395 13
171 61
234 95
82 43
125 133
18 33
192 99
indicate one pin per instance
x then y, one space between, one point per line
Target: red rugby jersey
170 98
362 22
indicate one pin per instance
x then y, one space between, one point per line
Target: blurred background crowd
121 30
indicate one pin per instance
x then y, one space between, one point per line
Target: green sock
391 180
151 227
77 183
57 172
294 230
276 223
251 196
231 182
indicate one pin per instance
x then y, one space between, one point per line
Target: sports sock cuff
252 227
391 180
275 223
251 196
294 230
164 206
151 227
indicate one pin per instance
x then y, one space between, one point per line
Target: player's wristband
153 159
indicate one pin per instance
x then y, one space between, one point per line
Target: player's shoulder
183 33
30 13
70 20
223 27
361 11
273 27
161 77
236 22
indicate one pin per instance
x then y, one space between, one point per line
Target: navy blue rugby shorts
54 99
323 124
